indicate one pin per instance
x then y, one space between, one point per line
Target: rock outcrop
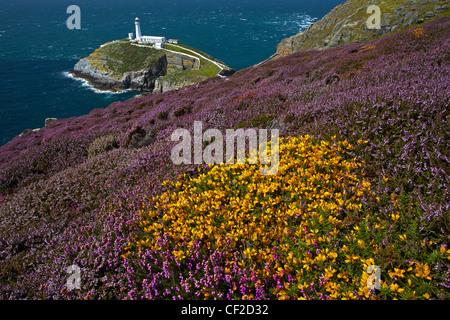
140 80
49 121
177 62
347 23
123 65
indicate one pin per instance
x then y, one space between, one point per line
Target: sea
37 49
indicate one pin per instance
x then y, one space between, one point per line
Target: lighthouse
138 29
156 41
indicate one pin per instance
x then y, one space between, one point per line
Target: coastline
88 82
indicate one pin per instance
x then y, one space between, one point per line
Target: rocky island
124 64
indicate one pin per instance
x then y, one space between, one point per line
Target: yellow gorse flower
423 271
234 205
396 288
419 32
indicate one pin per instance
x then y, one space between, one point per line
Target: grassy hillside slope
363 180
347 23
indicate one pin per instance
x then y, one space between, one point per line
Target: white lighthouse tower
138 29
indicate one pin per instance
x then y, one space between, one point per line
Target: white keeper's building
157 41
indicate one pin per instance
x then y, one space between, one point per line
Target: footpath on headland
197 56
221 66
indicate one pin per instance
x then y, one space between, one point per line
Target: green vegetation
389 6
207 68
346 23
121 56
103 144
261 120
196 50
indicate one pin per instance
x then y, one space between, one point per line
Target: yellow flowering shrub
300 207
235 202
303 233
419 32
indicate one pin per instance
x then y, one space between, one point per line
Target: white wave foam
85 83
293 22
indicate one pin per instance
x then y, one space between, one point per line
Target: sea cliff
347 23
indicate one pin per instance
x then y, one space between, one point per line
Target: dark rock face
227 72
143 80
332 79
176 62
138 138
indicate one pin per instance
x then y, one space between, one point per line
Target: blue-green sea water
37 49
